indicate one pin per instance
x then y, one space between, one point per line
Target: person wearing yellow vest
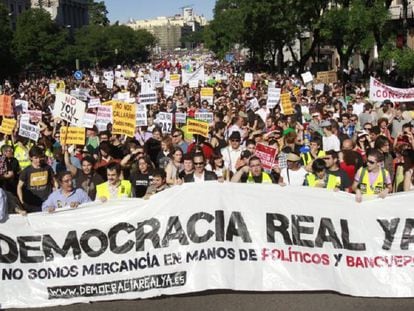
373 179
315 152
253 173
320 178
21 153
114 188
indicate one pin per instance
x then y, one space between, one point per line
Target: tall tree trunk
280 59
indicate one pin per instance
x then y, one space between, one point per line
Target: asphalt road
229 301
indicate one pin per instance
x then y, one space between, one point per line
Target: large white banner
241 237
378 91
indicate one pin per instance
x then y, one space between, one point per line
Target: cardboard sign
7 126
207 94
5 105
267 155
204 116
72 135
273 97
296 91
169 90
197 127
141 115
103 117
175 80
286 104
69 108
180 117
89 120
307 77
29 131
165 120
94 103
326 77
149 98
35 115
124 119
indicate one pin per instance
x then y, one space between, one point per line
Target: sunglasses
198 163
371 162
238 140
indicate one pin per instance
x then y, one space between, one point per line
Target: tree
38 41
97 13
6 58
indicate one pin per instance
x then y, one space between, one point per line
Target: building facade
67 13
170 30
15 7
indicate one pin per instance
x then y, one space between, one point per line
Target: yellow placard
72 135
7 126
175 79
296 91
287 107
124 119
247 84
326 77
207 92
60 86
197 127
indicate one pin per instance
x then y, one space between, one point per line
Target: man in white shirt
358 106
232 152
294 174
329 141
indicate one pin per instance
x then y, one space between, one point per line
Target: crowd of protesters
332 141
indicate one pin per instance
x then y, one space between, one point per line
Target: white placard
169 90
307 77
273 97
149 98
69 108
103 117
180 118
29 131
204 116
89 120
94 103
165 120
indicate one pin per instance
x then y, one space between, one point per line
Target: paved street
229 301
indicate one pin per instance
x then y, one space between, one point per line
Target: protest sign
180 117
294 239
175 80
165 120
205 116
35 115
109 84
168 90
141 113
326 77
69 108
60 86
29 131
307 77
7 126
52 88
21 105
24 118
379 91
108 75
286 104
193 78
207 94
5 105
89 120
248 79
319 87
267 155
296 91
124 119
103 117
197 127
273 97
72 135
94 103
149 98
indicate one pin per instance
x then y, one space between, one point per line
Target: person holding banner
373 179
66 195
320 178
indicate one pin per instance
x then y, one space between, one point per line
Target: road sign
78 75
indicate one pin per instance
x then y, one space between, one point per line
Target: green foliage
38 41
96 44
404 59
97 13
5 42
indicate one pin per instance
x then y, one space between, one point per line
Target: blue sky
122 10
